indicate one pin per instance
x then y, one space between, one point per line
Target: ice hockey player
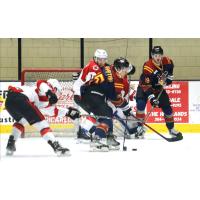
97 91
157 73
28 104
120 69
94 66
95 85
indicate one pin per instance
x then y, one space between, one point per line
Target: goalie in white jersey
28 104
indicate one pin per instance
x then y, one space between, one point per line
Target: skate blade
103 149
112 148
139 137
9 153
63 154
83 141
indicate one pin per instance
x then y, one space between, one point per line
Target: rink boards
184 97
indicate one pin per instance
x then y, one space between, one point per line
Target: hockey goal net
61 126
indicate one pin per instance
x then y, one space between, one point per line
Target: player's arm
169 68
55 111
43 87
123 104
86 75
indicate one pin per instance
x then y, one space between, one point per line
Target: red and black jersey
151 73
121 84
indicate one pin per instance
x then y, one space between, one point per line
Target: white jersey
37 96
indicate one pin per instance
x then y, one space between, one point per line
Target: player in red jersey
29 104
92 69
157 73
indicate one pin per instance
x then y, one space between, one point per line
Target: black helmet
121 63
157 50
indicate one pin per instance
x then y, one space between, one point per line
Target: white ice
158 170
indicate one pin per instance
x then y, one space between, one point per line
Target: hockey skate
176 134
83 136
99 145
140 132
58 149
112 143
10 146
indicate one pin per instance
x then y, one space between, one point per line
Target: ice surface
158 170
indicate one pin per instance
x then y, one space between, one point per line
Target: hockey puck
134 149
124 148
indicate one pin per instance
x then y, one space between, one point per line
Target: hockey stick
125 131
152 108
167 139
142 122
164 77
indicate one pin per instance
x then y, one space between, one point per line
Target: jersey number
99 78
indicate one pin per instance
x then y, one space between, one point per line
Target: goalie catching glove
73 113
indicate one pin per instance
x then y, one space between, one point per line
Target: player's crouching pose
25 103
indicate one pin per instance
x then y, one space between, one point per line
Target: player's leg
37 120
130 126
22 109
46 133
104 129
168 114
12 106
105 126
141 101
86 128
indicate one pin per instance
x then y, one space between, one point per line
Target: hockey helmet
100 54
157 50
121 64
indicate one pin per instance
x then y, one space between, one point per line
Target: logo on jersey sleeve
109 74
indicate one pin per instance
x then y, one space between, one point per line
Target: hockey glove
128 112
77 99
169 79
73 113
153 100
52 97
132 70
75 76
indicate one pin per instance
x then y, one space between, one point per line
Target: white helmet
55 84
100 53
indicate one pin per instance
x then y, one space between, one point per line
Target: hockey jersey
121 84
37 96
151 74
87 74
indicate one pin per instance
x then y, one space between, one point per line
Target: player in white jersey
28 104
